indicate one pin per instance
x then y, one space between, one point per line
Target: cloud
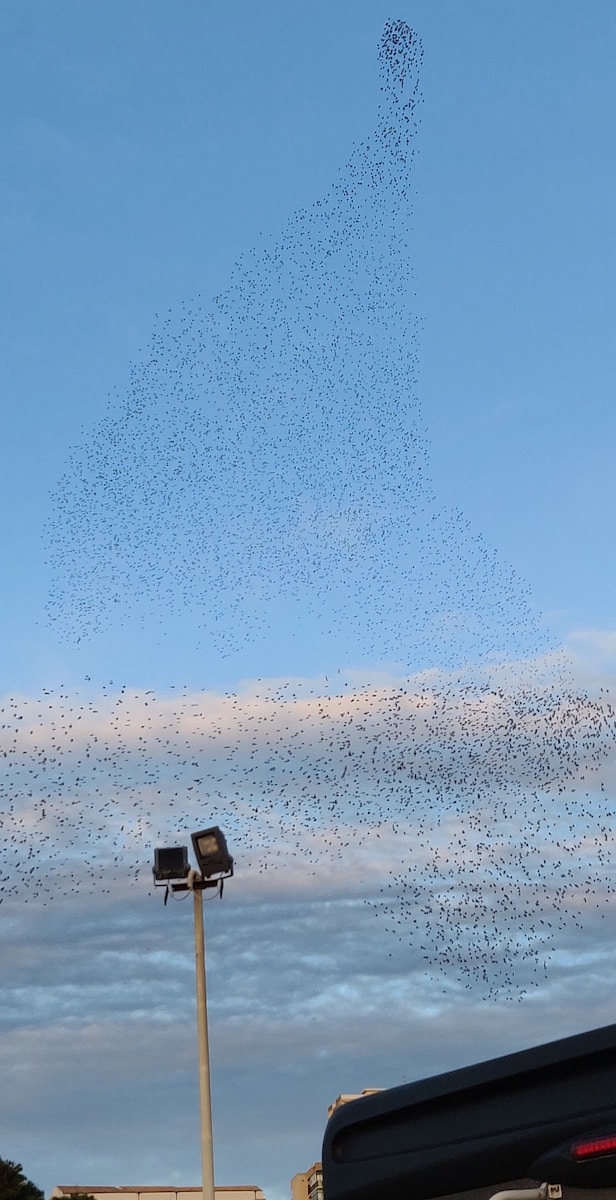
444 800
593 653
391 838
307 998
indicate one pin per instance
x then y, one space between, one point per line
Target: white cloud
426 777
593 654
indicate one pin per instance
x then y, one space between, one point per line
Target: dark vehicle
546 1114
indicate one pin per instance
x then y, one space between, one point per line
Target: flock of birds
476 813
267 468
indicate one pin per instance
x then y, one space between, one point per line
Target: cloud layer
476 814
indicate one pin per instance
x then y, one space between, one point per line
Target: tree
14 1185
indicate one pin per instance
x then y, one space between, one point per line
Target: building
308 1185
344 1098
242 1192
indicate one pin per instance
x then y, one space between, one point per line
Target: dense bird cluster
479 809
267 470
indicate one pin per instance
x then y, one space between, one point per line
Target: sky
307 379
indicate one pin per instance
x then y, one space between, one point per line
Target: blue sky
149 149
137 178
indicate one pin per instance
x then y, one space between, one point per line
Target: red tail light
594 1147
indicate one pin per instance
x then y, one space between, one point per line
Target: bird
270 456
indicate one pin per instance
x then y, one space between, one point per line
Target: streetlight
172 871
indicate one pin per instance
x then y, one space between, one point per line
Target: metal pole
207 1141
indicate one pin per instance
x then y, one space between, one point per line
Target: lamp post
172 871
205 1092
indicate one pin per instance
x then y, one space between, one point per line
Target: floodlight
211 852
171 863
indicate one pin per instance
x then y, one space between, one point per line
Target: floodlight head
170 863
211 852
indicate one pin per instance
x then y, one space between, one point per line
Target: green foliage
14 1185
